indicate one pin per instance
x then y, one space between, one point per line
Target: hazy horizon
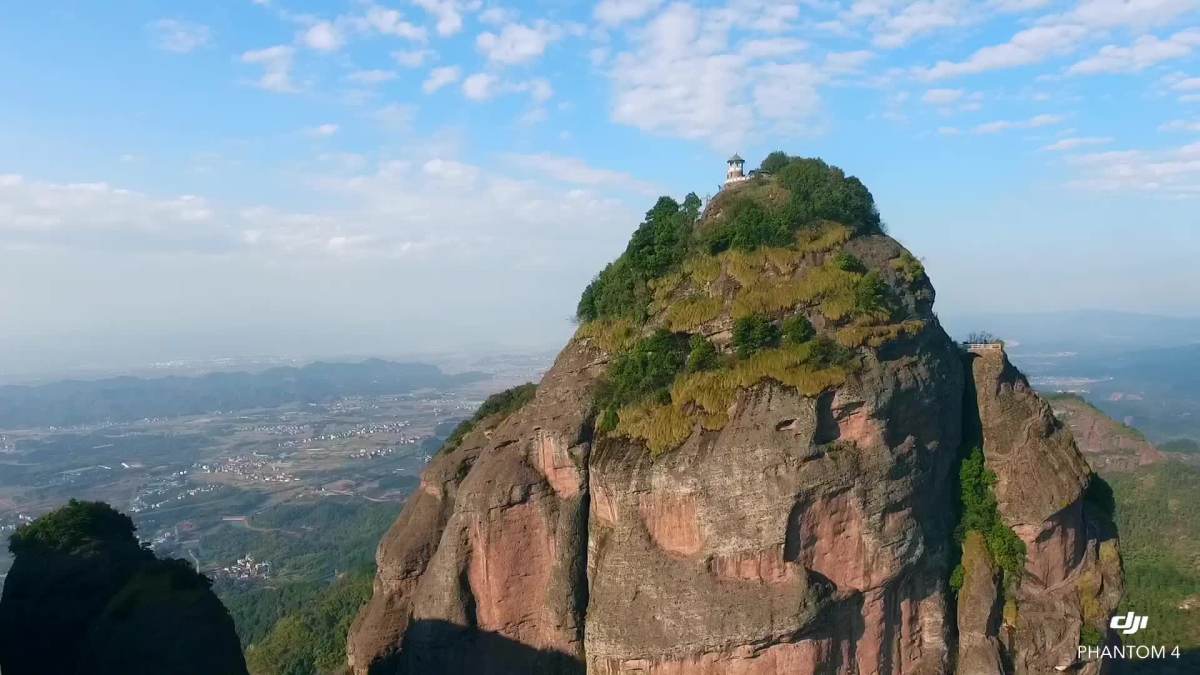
304 179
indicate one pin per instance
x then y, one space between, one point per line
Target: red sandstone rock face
1072 565
809 535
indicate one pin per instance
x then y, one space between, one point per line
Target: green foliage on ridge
980 513
658 245
503 403
1160 549
765 211
643 372
312 640
77 525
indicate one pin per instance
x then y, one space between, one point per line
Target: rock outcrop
1109 446
1072 576
791 510
83 597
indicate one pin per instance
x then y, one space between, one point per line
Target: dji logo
1129 623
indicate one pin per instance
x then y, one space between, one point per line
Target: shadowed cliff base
447 649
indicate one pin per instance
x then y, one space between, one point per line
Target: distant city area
215 488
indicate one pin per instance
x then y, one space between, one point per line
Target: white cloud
448 13
1074 143
396 117
682 78
322 130
1137 14
413 58
771 47
895 23
323 37
1144 52
841 63
1006 125
369 77
614 12
391 22
1027 47
440 77
177 36
518 43
39 213
484 86
480 86
942 96
1186 84
276 63
1181 125
576 171
1174 172
539 89
497 16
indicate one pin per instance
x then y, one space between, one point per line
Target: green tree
753 333
798 329
774 162
643 372
849 263
657 246
820 191
703 355
872 294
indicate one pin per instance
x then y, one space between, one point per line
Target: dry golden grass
662 427
877 336
825 237
706 397
611 335
909 268
703 269
830 288
688 314
700 270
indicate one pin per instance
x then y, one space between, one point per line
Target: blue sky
187 179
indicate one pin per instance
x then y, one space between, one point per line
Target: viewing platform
983 347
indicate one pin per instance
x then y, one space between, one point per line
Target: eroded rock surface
809 534
1072 572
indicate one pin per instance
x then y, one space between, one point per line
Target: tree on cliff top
760 215
83 596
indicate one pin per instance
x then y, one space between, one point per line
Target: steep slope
744 462
84 597
1108 445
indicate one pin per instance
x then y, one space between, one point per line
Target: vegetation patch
643 373
980 513
657 247
692 312
754 333
610 335
855 336
500 405
909 268
705 397
312 639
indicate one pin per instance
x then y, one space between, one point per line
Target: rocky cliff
747 461
84 597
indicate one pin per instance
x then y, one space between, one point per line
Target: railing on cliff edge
982 347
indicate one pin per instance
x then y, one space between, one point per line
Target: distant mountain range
122 399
